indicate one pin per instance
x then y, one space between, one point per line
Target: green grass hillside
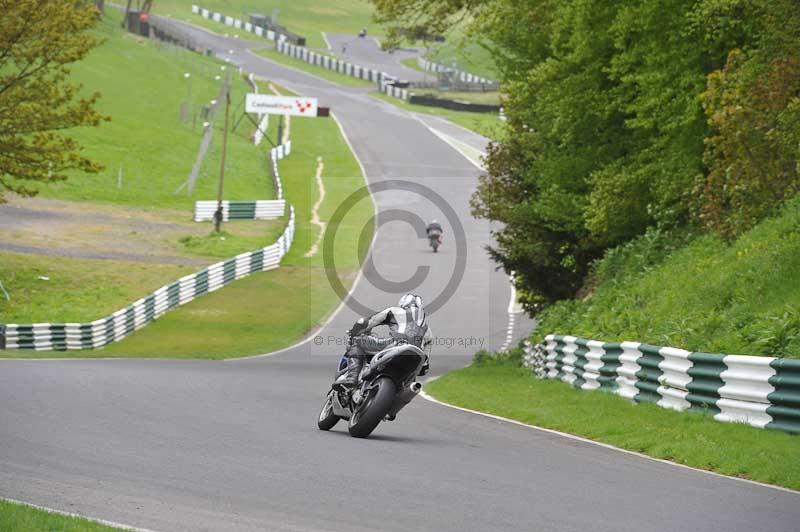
143 85
260 313
706 295
465 52
308 18
271 310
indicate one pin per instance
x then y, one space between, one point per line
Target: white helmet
410 300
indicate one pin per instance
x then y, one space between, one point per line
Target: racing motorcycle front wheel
327 419
373 408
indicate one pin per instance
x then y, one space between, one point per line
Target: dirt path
81 230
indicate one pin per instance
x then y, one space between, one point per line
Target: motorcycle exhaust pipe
405 397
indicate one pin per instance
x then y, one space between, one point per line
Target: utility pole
218 213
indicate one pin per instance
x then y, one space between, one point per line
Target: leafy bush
639 255
511 357
753 106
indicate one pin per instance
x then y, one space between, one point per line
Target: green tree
38 39
625 115
404 18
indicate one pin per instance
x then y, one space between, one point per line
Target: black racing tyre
327 419
374 408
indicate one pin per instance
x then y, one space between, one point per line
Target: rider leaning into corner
406 322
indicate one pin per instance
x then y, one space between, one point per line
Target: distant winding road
196 445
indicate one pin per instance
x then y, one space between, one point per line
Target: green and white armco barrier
381 79
460 75
68 336
253 209
759 391
236 23
240 210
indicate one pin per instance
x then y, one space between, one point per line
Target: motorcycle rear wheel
374 408
327 419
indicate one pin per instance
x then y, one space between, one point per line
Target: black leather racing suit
407 323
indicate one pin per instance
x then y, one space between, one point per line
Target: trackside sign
280 105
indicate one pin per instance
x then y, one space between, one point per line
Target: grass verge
225 244
487 124
23 518
505 389
411 62
324 73
45 289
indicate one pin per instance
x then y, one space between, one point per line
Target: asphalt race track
195 445
366 52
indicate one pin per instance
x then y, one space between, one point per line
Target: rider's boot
349 379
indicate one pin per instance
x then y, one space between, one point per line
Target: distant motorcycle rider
406 323
435 229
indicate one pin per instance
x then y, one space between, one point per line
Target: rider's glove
358 327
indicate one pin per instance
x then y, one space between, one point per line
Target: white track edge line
449 141
342 303
427 397
422 116
71 514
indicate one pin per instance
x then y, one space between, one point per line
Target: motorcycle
435 240
386 384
